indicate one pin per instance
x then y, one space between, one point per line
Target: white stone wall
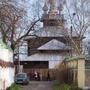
6 55
6 73
6 77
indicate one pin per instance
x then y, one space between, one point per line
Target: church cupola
60 8
52 14
53 7
45 8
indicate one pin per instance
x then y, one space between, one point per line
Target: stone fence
73 71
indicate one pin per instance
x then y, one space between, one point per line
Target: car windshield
21 75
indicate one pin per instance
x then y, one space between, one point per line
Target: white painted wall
6 55
53 64
6 74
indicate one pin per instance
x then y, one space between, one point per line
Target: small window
51 24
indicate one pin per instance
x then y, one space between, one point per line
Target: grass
63 86
14 87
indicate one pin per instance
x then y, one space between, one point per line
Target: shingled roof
6 64
54 45
51 32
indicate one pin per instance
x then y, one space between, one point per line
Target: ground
36 85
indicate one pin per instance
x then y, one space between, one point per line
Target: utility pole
71 37
18 60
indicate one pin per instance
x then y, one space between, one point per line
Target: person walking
36 75
48 76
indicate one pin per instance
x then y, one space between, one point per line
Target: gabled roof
54 45
55 31
52 31
45 57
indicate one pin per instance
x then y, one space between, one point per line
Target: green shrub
63 86
73 87
14 87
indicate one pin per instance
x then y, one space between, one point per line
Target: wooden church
50 46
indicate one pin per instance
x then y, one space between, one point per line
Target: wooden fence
44 73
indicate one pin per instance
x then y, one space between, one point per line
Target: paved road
35 85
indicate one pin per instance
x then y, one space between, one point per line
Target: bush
73 87
63 86
14 87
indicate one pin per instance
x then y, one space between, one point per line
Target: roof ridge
52 44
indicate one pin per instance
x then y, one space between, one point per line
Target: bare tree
14 24
77 15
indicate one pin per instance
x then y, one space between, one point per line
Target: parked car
22 78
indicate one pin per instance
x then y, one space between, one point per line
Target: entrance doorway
32 67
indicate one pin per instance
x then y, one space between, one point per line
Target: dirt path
35 85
